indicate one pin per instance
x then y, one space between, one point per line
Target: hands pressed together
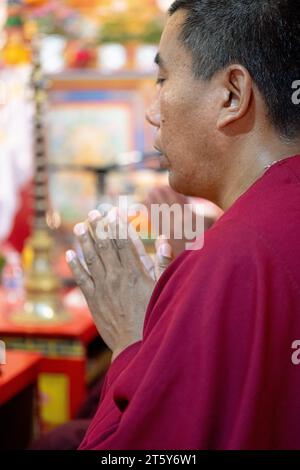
120 277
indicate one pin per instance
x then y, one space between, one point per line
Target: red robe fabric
214 369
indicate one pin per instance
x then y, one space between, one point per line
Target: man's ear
237 86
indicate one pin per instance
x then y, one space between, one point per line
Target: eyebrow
158 61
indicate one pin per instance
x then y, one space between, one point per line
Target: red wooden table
66 365
21 369
18 416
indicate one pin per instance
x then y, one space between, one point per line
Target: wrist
116 353
118 350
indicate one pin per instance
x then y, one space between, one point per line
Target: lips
158 149
164 162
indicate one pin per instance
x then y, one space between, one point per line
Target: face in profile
183 115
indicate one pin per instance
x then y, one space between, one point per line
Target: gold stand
43 301
42 304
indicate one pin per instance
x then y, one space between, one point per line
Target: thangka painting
89 129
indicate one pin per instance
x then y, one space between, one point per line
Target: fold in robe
214 369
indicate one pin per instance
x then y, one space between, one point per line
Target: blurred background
97 58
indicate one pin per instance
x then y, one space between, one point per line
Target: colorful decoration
108 20
130 20
35 3
16 50
79 56
85 24
2 263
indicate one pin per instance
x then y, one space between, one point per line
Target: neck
248 167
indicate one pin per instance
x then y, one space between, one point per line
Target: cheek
171 104
180 135
172 120
183 135
180 114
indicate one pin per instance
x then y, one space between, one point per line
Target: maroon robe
214 369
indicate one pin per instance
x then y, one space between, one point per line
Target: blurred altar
98 59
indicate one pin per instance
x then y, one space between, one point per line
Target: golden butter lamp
43 299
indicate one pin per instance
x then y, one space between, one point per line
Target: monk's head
226 102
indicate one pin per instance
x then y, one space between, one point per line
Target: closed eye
160 81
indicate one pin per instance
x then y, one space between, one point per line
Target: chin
188 188
180 186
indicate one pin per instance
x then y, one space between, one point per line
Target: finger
141 251
103 238
82 278
93 262
161 240
127 242
147 261
163 257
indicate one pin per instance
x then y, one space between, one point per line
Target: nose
153 114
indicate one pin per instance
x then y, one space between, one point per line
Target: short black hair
261 35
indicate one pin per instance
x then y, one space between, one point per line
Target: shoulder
232 255
230 243
203 285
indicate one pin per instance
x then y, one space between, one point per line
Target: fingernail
162 237
112 216
165 250
161 240
102 211
94 215
80 229
70 256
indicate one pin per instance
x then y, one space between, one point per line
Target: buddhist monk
207 357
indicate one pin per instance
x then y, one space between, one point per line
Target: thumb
163 257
